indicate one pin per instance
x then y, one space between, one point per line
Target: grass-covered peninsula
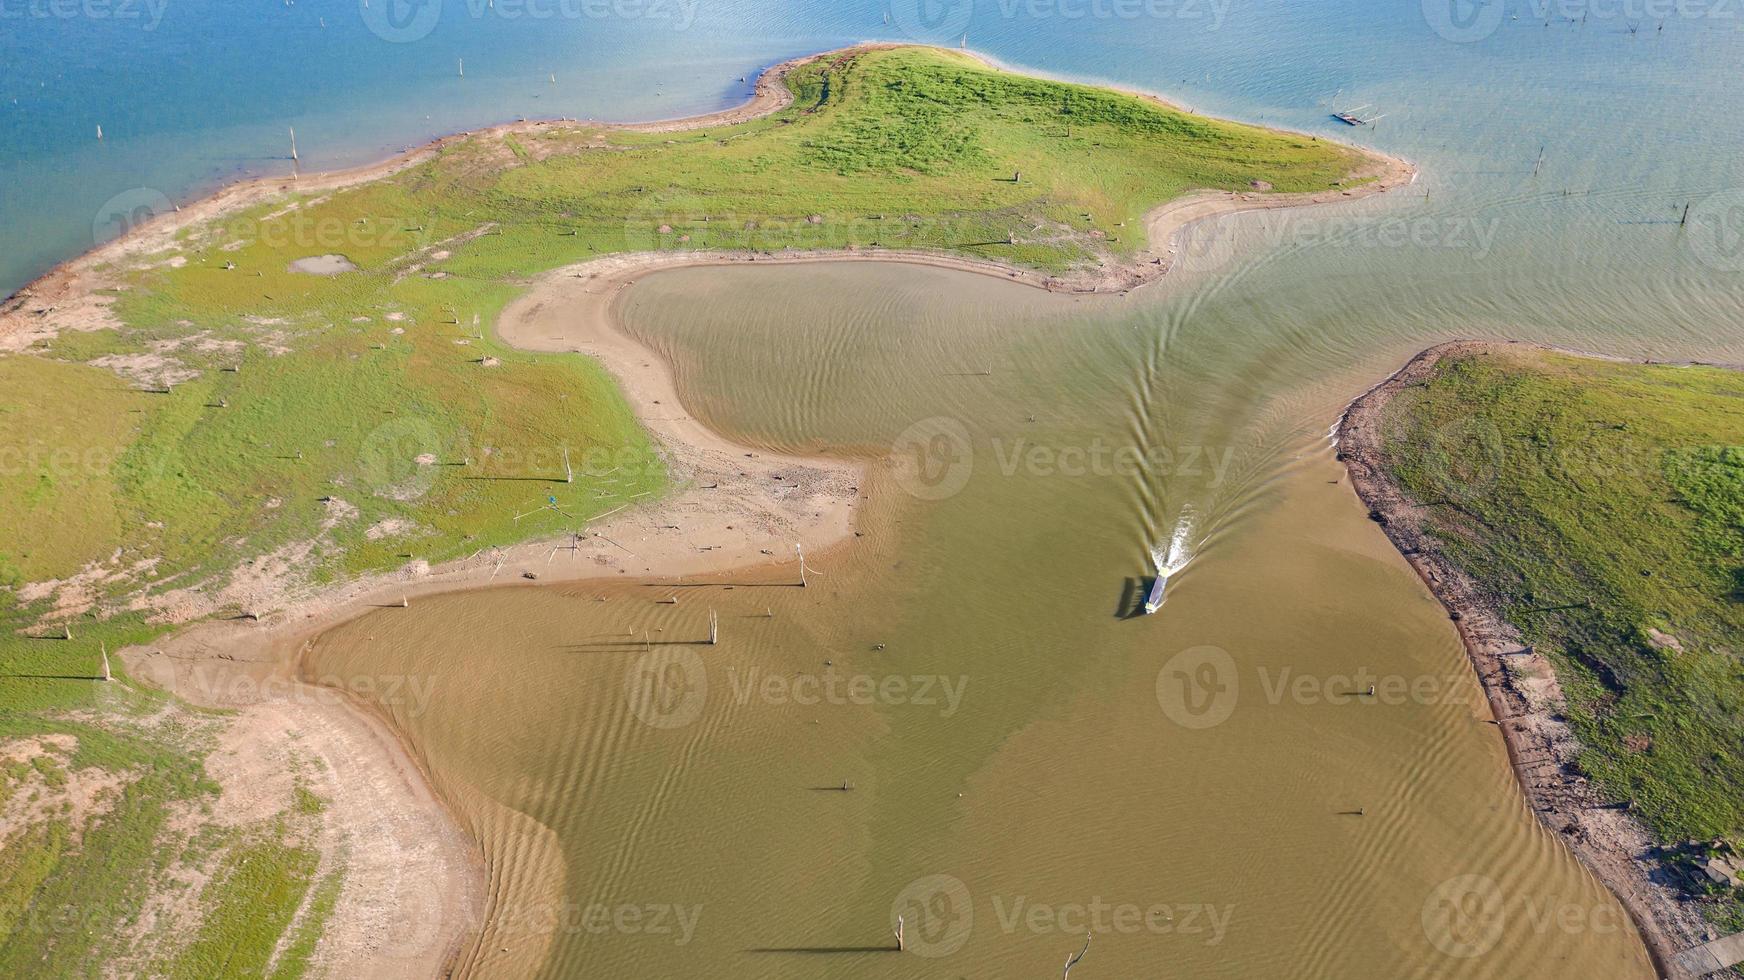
1597 506
299 384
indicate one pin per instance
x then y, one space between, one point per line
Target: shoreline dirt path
414 864
1521 684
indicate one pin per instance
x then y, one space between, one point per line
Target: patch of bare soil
323 265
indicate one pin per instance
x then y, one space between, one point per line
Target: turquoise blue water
195 93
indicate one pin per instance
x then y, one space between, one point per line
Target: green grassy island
1597 506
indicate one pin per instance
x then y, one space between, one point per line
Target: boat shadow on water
1136 594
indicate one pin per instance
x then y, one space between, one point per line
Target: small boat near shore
1354 117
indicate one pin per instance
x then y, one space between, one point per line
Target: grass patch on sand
1602 506
250 903
68 891
81 873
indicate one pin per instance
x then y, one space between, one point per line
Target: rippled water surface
1196 786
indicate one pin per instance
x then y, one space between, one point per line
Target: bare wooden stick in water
1072 961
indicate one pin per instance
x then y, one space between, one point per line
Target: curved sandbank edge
1519 683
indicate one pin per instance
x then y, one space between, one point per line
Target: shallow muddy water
1210 790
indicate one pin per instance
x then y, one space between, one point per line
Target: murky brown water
1027 761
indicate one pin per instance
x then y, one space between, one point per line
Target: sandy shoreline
1521 685
733 508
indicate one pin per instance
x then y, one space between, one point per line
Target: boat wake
1171 558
